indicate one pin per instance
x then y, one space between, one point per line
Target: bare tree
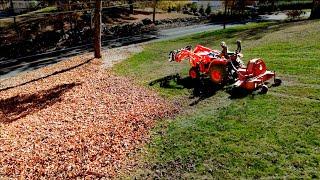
242 5
273 5
11 8
225 13
3 4
315 12
130 2
97 29
154 10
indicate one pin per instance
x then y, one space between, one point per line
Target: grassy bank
273 135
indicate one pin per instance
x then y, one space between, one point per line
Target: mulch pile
74 119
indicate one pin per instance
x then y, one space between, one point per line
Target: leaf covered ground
73 119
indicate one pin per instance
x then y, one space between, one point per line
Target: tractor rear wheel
218 74
194 73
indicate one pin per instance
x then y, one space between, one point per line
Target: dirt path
73 119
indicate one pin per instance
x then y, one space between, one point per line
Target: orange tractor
226 68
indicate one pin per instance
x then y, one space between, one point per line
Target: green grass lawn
45 10
269 136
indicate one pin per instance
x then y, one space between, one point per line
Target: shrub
179 7
33 4
208 9
194 7
201 11
146 21
285 6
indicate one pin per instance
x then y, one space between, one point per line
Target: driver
227 54
224 51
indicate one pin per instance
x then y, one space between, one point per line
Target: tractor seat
231 53
233 57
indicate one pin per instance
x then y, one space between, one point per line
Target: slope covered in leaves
76 120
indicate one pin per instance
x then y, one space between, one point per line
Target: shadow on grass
238 93
17 107
202 88
258 33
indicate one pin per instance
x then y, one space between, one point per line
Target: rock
158 22
197 14
146 21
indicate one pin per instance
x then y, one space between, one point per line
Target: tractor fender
219 62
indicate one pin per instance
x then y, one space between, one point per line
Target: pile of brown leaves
73 122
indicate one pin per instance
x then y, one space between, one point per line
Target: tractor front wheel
218 74
194 73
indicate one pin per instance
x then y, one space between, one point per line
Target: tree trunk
154 11
130 6
91 14
11 8
233 4
273 5
315 12
51 3
69 6
97 29
225 13
2 3
242 7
